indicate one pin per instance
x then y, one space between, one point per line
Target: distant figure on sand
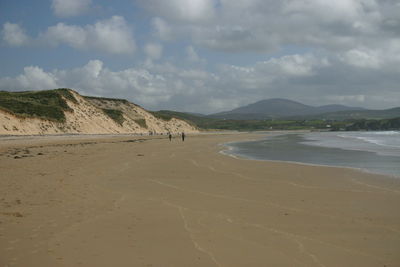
170 136
183 136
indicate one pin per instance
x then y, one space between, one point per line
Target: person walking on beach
170 136
183 136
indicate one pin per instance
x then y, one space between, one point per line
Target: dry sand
133 201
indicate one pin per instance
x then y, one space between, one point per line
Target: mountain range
287 109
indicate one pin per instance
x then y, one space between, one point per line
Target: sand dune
87 117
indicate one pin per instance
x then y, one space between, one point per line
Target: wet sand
145 201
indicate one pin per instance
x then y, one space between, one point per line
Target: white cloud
37 77
295 65
70 8
167 86
192 55
265 74
93 68
362 58
328 10
14 35
182 10
72 35
32 78
153 50
385 57
150 86
269 25
161 29
194 74
112 35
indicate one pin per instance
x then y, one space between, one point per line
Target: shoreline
361 170
229 146
243 157
128 201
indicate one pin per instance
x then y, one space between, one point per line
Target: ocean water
377 152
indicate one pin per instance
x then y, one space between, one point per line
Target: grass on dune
115 115
142 123
47 104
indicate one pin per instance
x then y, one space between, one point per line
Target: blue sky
205 55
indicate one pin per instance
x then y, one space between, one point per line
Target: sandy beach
146 201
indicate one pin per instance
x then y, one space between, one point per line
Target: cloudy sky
205 55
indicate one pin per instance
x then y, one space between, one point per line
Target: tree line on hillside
375 125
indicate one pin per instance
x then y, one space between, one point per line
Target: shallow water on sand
377 152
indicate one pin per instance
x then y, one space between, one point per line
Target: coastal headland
146 201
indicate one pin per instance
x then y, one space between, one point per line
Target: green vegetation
198 121
106 98
260 125
352 115
65 92
162 116
241 125
207 123
48 104
141 122
375 125
115 114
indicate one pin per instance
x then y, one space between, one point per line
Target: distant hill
278 108
283 114
64 111
265 109
335 108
